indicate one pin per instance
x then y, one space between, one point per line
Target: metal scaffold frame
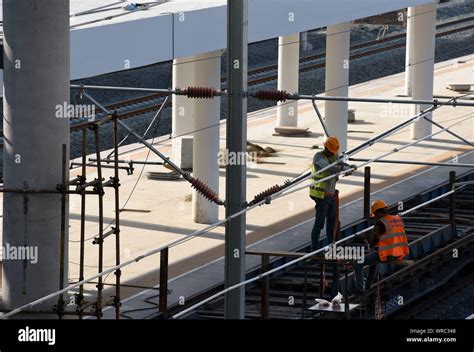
84 187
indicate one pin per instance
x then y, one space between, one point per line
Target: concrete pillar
337 80
408 49
36 125
288 74
182 111
423 29
206 137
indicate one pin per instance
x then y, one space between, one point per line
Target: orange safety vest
393 243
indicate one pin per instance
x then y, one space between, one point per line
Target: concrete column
408 49
182 111
337 80
36 125
423 29
206 137
288 74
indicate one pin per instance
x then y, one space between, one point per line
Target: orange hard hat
378 204
332 144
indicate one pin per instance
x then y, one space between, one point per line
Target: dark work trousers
373 260
325 210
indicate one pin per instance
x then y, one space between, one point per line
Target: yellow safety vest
318 190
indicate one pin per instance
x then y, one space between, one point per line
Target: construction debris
260 152
168 176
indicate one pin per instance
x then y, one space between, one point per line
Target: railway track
432 243
152 102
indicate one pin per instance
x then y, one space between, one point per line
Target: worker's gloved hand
360 238
353 166
341 163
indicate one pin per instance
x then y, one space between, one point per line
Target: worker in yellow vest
388 238
324 193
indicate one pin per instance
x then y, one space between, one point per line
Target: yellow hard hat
378 204
332 144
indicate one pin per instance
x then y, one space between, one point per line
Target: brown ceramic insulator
200 92
267 193
274 95
205 190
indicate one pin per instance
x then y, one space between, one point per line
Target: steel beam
237 22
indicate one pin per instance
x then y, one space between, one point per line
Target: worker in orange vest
389 239
324 193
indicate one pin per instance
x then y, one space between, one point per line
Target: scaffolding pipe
176 91
80 297
116 228
100 240
64 208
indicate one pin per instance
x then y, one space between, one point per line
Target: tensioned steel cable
158 250
297 260
395 150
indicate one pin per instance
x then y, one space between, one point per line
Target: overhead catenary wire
297 260
436 104
360 147
395 150
190 92
410 162
195 234
156 120
278 95
196 183
170 245
126 263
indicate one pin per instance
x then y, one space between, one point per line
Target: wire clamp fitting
116 303
455 101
